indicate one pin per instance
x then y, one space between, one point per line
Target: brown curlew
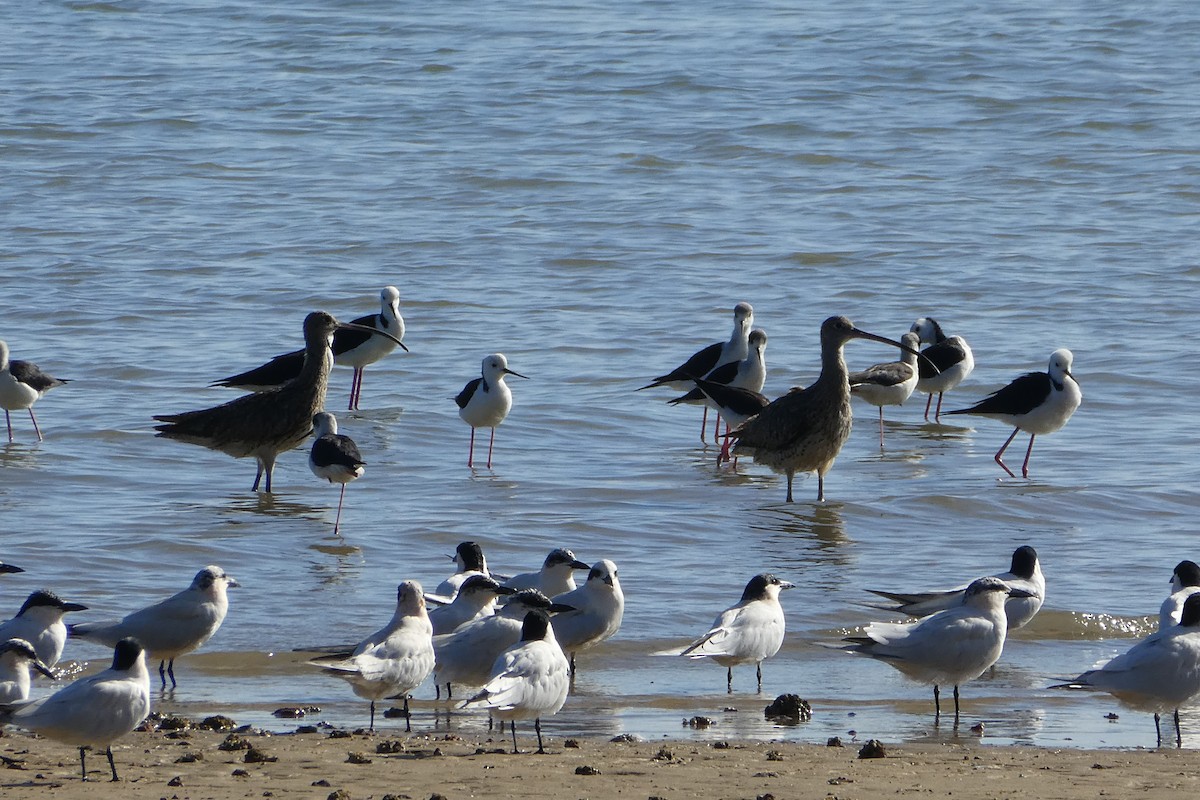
804 430
265 424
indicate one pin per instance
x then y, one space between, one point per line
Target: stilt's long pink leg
1028 452
999 454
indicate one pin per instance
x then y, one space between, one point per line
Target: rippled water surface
589 189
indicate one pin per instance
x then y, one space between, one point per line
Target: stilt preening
734 405
748 632
750 373
950 647
804 430
334 457
22 384
486 401
1158 674
1036 402
948 361
94 711
351 347
888 384
529 680
715 355
265 424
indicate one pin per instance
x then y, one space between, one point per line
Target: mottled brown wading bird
265 424
804 430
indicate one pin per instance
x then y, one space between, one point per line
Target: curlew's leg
35 425
111 765
338 521
1000 453
1028 452
9 421
704 425
1157 730
491 441
820 488
162 673
790 475
937 705
257 477
1178 733
171 672
937 415
471 448
881 427
512 724
758 668
928 402
729 680
537 726
956 705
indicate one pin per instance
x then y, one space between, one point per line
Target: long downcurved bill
375 331
860 334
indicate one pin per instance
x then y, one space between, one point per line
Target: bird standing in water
22 383
486 401
334 457
265 424
804 430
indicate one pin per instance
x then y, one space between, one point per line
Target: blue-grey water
590 188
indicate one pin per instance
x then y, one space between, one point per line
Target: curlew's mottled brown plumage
804 430
265 424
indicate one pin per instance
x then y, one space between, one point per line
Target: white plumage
40 622
17 658
599 608
1185 582
476 598
557 575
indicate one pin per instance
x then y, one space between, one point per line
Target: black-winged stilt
1036 402
888 384
948 361
486 401
22 383
334 456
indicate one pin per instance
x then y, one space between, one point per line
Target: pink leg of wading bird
704 426
338 521
491 441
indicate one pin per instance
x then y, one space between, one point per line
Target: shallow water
590 190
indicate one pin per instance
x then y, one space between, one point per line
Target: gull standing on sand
172 628
529 680
22 384
40 622
394 660
557 575
947 362
1185 582
94 711
949 647
1024 573
599 608
710 358
466 656
353 348
888 384
804 430
476 598
486 401
1036 402
1158 674
748 632
266 424
17 658
335 457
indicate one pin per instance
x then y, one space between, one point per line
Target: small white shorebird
17 658
888 384
486 401
529 680
1024 573
1158 674
335 457
750 373
172 628
94 711
1036 402
1185 582
708 359
466 656
748 632
950 355
468 560
351 347
40 622
599 608
952 646
392 661
476 598
22 384
557 575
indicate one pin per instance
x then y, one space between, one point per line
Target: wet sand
324 763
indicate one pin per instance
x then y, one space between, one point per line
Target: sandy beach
178 762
